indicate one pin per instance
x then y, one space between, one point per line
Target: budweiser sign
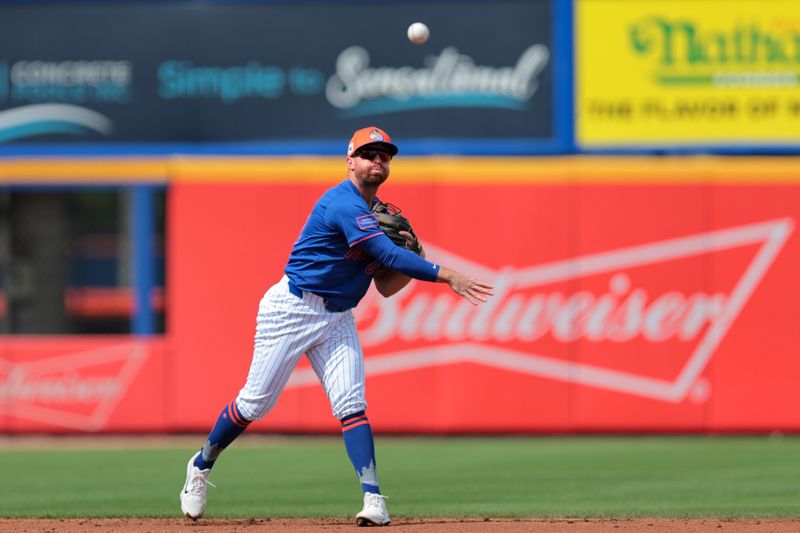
641 320
76 390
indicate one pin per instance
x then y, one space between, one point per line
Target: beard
375 177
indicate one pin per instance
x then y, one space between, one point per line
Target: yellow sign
687 72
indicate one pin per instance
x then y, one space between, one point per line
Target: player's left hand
412 243
395 225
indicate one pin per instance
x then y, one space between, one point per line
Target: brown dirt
466 525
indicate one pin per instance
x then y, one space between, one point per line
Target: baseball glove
392 223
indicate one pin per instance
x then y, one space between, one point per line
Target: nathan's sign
684 52
679 72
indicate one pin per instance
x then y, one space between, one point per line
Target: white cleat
193 494
374 512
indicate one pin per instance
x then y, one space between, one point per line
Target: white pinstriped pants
287 327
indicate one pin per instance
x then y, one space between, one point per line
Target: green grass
495 477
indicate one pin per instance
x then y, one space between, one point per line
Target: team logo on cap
375 135
349 148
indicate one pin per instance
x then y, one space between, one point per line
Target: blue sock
361 449
230 425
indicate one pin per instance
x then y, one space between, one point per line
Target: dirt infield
471 525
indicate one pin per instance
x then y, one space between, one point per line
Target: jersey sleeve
361 229
404 261
357 224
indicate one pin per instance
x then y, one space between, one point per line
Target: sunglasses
369 155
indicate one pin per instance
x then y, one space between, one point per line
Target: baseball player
340 251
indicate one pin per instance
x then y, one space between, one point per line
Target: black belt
330 306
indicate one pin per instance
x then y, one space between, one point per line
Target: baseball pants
286 328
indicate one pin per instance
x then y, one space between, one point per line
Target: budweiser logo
617 318
620 314
19 386
77 390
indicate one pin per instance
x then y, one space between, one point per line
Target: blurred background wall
624 171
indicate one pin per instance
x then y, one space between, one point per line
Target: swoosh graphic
41 119
396 105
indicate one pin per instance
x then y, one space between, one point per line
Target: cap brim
392 149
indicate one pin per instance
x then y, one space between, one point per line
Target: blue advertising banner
279 74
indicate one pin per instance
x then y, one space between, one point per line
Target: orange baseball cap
370 135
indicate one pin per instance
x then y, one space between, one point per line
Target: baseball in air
418 33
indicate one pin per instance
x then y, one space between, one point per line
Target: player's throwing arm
398 228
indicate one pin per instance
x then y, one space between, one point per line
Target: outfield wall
640 294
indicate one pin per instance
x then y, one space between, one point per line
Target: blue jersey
341 246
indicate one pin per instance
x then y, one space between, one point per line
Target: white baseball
418 33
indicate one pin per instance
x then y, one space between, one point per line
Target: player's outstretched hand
473 290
